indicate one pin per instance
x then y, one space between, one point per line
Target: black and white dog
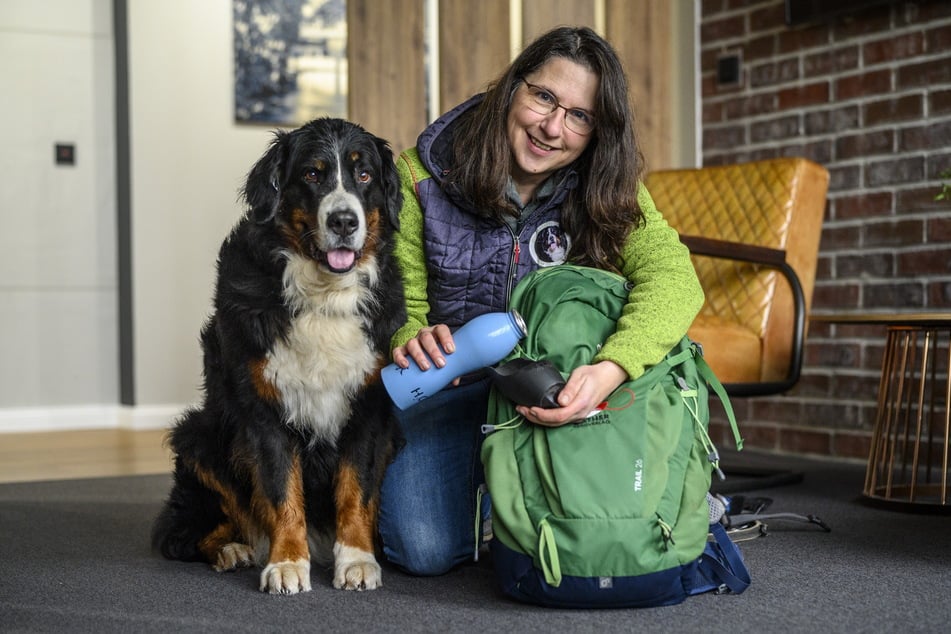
287 452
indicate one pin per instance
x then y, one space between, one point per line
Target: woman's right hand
427 348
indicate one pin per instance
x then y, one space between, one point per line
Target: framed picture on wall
290 60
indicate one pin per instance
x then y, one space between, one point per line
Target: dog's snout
343 223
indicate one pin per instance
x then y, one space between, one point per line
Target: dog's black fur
289 447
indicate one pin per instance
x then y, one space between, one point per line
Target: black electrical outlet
728 70
65 154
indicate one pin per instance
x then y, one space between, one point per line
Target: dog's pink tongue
340 259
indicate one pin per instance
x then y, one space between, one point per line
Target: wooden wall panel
539 16
387 71
387 63
473 47
641 32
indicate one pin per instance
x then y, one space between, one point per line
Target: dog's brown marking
374 377
372 244
224 534
300 222
265 389
356 516
373 222
285 523
229 530
354 156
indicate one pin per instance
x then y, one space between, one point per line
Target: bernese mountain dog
283 460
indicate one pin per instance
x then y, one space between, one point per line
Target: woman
542 168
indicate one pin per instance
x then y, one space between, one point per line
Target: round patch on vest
549 245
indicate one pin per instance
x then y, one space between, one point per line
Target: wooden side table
909 457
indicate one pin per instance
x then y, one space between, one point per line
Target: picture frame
290 60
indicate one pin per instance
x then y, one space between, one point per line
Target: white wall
58 279
57 246
188 161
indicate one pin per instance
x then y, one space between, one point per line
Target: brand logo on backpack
638 474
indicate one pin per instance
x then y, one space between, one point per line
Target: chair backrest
746 322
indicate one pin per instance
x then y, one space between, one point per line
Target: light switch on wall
65 154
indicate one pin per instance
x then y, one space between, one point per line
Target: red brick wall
869 97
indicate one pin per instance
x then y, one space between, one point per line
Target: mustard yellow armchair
753 230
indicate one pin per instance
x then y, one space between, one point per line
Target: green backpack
611 511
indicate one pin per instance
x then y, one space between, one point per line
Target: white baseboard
82 417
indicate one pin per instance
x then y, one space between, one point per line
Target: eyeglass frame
555 105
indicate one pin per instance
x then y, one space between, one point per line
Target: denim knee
421 549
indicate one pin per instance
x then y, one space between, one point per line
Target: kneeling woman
541 169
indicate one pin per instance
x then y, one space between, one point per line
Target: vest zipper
513 268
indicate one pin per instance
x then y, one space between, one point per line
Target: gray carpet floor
75 557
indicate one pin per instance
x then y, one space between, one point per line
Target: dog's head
329 187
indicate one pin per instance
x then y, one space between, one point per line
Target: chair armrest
771 258
774 258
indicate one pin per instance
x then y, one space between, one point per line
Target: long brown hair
602 210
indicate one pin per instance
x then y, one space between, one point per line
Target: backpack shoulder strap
707 373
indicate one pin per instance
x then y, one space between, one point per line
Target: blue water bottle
481 342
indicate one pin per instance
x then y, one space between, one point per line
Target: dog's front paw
286 577
234 555
356 569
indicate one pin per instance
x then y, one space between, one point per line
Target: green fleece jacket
665 298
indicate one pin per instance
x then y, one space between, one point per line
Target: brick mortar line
845 162
850 373
836 102
891 29
713 152
872 281
736 45
773 89
724 47
836 195
845 223
825 400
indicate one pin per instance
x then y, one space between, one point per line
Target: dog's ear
262 190
393 197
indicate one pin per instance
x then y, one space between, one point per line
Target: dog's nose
343 223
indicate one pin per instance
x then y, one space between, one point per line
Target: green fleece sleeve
665 298
408 248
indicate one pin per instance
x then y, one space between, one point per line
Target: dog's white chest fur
326 356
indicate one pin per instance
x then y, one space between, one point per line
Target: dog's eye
311 175
363 176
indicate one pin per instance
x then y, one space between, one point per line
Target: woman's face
542 143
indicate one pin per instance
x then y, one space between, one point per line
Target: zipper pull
666 533
518 250
714 458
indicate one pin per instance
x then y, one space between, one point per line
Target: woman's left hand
587 387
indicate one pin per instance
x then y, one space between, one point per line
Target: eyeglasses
541 101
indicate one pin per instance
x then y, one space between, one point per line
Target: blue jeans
429 497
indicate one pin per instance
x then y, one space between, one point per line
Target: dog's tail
190 513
